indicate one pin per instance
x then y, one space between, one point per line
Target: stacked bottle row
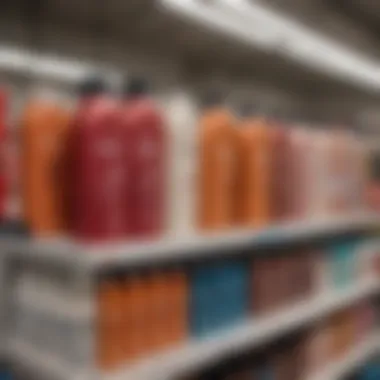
139 315
116 168
142 313
297 357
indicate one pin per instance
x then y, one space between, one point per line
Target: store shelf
249 335
353 360
43 365
108 256
198 354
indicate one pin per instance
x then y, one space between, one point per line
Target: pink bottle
339 172
145 161
321 181
300 173
97 164
282 178
3 131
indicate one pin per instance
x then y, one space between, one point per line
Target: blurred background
189 190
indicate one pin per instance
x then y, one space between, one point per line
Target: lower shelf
198 354
353 360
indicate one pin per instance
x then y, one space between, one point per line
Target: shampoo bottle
45 129
217 151
145 161
98 175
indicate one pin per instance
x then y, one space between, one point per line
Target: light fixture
309 47
267 29
213 15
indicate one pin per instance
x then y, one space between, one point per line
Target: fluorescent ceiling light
308 46
264 28
215 17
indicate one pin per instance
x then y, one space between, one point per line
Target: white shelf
103 256
353 360
45 365
197 354
249 335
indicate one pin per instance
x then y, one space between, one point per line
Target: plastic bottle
359 174
253 201
45 128
300 173
146 139
98 160
218 160
320 180
4 186
281 174
182 117
339 172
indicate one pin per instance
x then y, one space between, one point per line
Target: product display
149 311
189 190
141 314
298 356
125 168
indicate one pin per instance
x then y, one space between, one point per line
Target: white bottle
181 115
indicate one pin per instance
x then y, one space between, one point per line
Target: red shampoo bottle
98 166
145 161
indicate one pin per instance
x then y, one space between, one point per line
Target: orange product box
110 351
178 322
135 309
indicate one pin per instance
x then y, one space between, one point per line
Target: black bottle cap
213 98
136 87
91 86
247 110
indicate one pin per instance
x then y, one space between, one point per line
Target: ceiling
353 23
92 28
